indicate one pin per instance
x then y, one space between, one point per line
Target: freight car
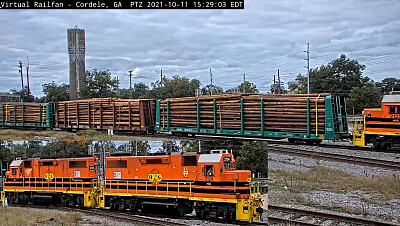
107 113
209 184
27 115
98 113
300 118
310 118
381 126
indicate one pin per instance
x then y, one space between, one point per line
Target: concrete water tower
76 51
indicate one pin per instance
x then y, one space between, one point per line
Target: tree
139 90
254 157
143 148
208 145
338 76
299 85
390 84
206 90
249 86
367 96
169 147
55 93
175 87
341 76
99 84
25 96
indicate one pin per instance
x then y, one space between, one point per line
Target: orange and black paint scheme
209 184
381 126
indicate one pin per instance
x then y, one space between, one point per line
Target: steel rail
338 157
324 215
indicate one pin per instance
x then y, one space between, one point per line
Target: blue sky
258 40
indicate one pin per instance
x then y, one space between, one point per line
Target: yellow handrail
6 119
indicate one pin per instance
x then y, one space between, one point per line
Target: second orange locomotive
209 184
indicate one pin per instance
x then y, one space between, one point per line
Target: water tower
76 51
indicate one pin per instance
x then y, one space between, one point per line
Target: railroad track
205 137
337 157
130 218
295 216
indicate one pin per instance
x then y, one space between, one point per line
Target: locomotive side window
189 160
77 164
153 161
117 164
398 109
392 109
208 170
14 171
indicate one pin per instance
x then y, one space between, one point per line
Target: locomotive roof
16 163
391 99
210 158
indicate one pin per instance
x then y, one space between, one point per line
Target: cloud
267 35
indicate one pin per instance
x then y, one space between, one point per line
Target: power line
324 47
392 43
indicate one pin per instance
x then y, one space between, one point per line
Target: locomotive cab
15 170
381 126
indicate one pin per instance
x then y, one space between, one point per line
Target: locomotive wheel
80 201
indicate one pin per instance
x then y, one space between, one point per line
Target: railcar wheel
317 142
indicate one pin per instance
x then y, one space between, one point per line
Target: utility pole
211 78
27 77
136 148
130 79
274 87
22 78
244 83
308 67
279 83
199 146
161 78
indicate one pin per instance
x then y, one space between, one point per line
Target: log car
107 113
27 115
302 117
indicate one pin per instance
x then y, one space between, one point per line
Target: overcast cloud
255 41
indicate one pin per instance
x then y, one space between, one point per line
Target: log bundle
282 112
24 114
107 113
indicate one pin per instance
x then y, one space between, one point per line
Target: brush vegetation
322 178
15 216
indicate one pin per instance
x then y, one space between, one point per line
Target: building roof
391 99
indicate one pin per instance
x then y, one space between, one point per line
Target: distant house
6 97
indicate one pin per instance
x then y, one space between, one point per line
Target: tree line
344 76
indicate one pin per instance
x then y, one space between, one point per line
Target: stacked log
282 112
18 113
107 113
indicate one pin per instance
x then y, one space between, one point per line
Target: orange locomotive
179 184
381 126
